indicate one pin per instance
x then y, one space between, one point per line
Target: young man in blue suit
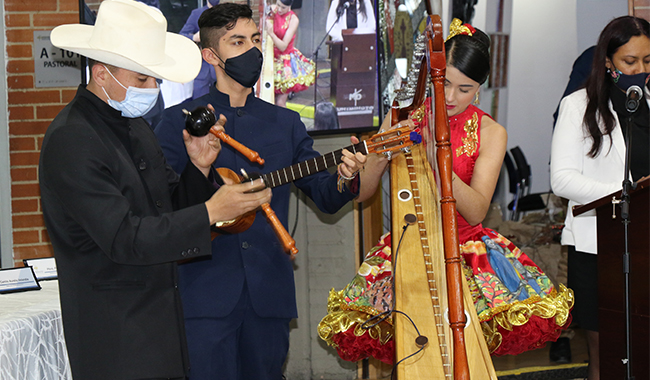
238 303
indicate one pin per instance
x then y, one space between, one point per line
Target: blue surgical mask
138 101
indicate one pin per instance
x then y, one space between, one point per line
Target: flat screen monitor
357 67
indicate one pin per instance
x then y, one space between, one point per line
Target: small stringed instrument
199 122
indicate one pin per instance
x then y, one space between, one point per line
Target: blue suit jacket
211 287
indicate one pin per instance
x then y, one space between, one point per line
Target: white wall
593 16
546 37
326 260
543 46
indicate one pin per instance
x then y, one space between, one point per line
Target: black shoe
560 351
291 94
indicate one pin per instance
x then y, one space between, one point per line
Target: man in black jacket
117 215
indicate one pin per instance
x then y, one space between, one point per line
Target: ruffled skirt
517 305
353 324
293 72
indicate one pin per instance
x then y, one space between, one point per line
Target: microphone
346 5
410 219
634 96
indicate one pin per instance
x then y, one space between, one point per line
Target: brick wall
30 112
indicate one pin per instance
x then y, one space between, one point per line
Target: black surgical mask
624 81
245 68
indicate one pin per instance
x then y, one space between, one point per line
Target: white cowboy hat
132 36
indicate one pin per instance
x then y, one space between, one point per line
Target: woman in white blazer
337 18
588 154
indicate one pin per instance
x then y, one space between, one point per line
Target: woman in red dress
293 71
516 303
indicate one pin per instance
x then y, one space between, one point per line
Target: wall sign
54 67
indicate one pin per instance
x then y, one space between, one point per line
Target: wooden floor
538 360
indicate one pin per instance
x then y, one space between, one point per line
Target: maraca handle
250 154
201 121
286 240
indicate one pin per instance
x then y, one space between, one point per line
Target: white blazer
364 25
579 178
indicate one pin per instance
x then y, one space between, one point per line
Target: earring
616 74
476 99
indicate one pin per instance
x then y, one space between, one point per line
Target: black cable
381 317
295 223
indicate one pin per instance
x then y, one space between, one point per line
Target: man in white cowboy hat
113 207
239 304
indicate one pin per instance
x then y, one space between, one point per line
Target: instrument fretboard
311 166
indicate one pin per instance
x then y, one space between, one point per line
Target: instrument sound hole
404 195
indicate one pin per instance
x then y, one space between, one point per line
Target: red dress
516 303
293 71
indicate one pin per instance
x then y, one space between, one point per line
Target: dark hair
361 9
286 2
92 63
470 55
215 21
616 34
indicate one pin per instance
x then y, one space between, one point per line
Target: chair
523 201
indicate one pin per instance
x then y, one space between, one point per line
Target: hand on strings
352 163
204 150
233 200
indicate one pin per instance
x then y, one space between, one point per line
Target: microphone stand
315 57
625 216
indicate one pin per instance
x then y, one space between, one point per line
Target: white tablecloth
32 346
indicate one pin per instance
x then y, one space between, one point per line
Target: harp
265 85
430 287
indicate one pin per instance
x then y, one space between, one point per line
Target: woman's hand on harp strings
268 25
235 199
204 150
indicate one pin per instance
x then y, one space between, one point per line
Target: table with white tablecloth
32 346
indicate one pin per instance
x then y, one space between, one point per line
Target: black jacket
108 199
